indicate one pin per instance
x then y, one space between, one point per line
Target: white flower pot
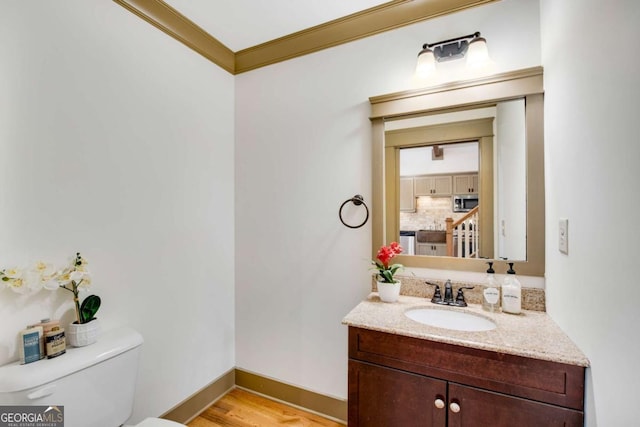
389 292
79 335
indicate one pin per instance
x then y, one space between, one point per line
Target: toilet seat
158 422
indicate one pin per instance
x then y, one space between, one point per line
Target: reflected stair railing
467 233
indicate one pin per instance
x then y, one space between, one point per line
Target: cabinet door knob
455 408
439 403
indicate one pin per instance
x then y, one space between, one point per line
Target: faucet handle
437 296
460 301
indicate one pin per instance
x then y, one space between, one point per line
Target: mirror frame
457 96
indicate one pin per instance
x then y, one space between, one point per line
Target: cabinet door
465 184
481 408
385 397
433 249
407 199
474 183
423 249
440 249
432 185
423 186
442 185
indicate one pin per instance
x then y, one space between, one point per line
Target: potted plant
388 286
85 329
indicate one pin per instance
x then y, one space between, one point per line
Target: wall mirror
458 174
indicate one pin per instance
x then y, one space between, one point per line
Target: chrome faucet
448 299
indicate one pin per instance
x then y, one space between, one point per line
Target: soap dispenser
491 292
511 293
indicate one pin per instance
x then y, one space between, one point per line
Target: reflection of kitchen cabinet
406 381
407 199
434 249
432 185
465 184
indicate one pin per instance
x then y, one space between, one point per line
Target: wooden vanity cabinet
402 381
384 397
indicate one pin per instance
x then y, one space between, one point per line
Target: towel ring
356 200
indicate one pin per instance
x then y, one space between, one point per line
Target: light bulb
478 54
426 63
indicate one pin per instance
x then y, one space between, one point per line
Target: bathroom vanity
525 372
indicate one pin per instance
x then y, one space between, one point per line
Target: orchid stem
75 300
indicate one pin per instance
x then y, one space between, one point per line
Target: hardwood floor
240 408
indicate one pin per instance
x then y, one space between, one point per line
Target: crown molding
170 21
385 17
388 16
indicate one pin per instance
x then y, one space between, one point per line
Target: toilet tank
95 384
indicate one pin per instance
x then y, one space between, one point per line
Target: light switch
563 234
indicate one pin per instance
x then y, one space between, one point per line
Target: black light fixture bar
470 36
447 50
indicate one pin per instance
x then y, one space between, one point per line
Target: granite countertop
530 334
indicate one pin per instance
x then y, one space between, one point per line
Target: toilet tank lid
16 377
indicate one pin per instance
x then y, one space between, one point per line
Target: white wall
458 157
591 167
302 148
117 141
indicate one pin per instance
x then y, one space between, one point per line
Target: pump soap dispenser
511 293
491 292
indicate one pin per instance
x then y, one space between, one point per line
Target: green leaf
89 308
388 276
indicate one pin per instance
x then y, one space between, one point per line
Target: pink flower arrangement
383 259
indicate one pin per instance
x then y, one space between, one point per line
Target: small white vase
389 292
79 335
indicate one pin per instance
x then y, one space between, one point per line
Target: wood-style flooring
240 408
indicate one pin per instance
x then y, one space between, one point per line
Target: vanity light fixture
472 45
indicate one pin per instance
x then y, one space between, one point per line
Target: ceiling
243 35
239 24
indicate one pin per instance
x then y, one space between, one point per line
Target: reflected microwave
464 202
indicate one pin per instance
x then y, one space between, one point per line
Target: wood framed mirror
451 98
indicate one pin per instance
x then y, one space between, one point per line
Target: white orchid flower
76 276
44 269
13 273
40 275
12 277
63 277
86 281
17 286
51 285
32 280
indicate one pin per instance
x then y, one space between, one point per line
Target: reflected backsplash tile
430 213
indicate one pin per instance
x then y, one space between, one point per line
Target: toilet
95 384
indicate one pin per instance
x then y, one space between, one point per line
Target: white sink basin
450 319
